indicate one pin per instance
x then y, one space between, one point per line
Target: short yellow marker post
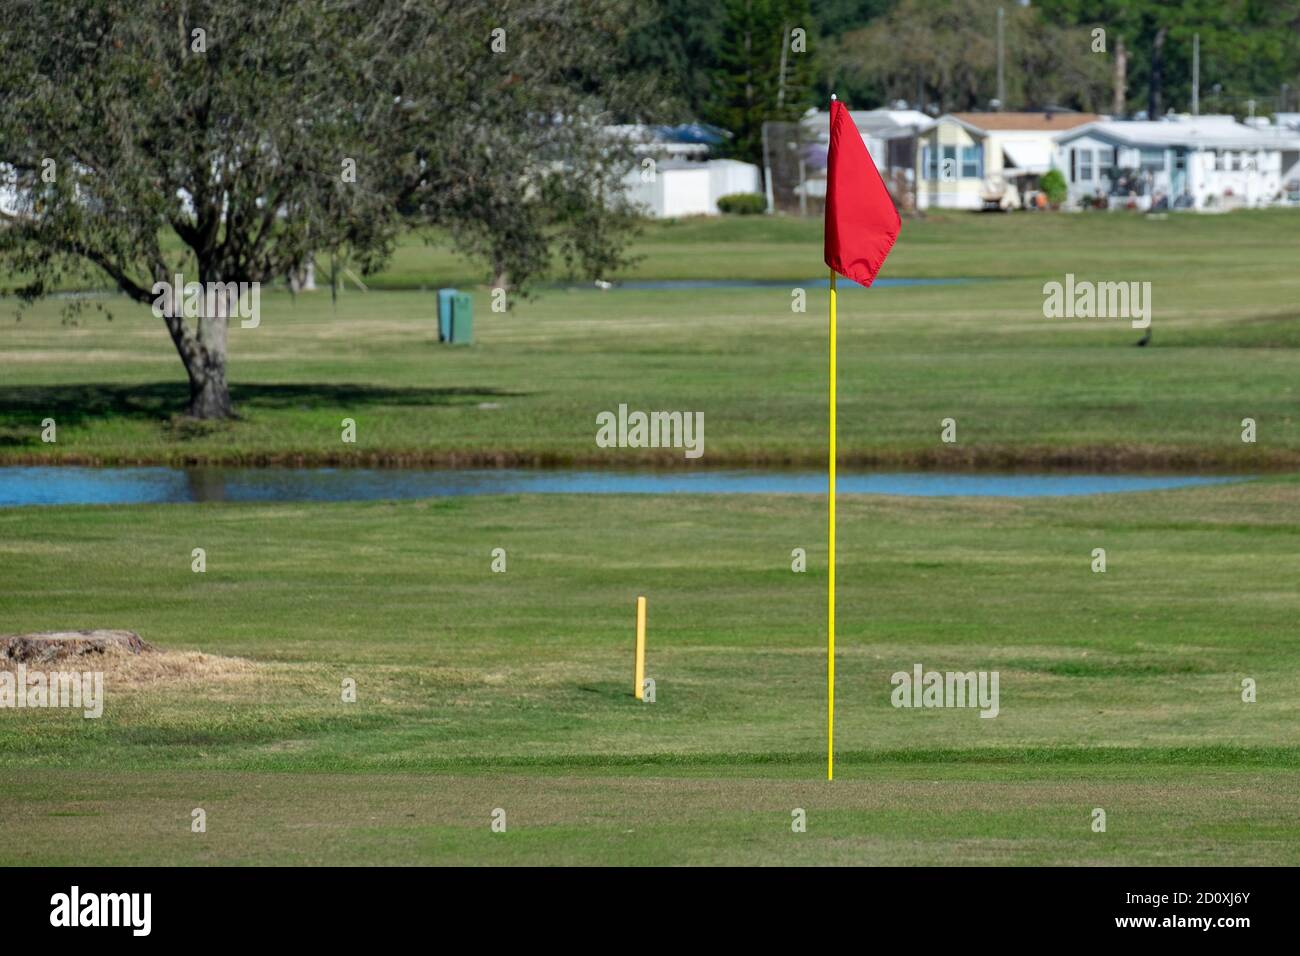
639 676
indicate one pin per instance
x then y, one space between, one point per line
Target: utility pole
1196 74
767 172
1121 79
1155 100
1002 80
780 82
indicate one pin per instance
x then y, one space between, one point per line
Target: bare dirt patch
122 655
49 647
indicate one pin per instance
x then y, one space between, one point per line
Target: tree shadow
23 407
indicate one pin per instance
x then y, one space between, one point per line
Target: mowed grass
1024 390
890 816
479 690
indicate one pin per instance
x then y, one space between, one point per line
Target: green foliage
678 41
765 71
943 54
256 135
743 204
1054 186
1248 50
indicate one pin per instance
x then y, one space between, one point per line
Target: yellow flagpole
830 534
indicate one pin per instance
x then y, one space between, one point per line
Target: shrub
1053 186
743 204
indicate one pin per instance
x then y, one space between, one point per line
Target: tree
678 41
765 70
1249 50
231 141
942 54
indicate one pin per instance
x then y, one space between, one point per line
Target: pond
676 285
24 486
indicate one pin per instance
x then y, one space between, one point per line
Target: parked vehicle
999 194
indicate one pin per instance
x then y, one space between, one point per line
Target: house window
971 161
1152 159
1236 161
948 166
1219 157
1105 163
940 162
1085 165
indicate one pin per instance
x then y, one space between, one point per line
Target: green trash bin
444 313
462 319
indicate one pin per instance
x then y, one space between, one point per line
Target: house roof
1206 132
1052 122
875 122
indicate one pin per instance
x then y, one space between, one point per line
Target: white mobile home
673 176
877 128
890 138
969 160
676 187
1203 162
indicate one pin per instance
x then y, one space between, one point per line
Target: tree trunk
204 354
1154 99
209 394
1120 105
303 277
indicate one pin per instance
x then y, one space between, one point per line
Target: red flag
861 221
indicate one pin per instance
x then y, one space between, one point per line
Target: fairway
509 446
479 690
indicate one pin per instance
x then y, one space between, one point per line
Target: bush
1053 186
743 204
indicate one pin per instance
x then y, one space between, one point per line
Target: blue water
680 284
23 486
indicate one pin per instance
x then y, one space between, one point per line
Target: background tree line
722 62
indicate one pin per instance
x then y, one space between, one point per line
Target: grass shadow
22 407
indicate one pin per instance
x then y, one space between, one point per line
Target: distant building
878 128
675 177
988 160
675 187
1187 162
800 180
11 197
